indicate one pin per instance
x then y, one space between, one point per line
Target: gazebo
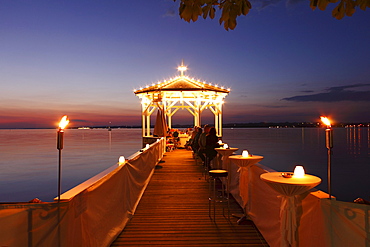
181 92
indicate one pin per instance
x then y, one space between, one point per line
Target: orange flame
326 121
63 122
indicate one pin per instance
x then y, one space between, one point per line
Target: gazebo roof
182 83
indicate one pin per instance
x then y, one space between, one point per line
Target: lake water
29 158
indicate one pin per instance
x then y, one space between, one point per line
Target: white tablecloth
243 163
289 188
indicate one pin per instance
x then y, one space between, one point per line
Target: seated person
211 144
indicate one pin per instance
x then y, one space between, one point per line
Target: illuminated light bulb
182 68
147 146
245 154
219 142
298 172
141 88
228 89
226 146
121 160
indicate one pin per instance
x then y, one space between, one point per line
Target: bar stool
206 167
218 196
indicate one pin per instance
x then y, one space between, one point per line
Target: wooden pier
174 211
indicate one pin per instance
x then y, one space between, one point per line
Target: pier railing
91 214
321 222
96 211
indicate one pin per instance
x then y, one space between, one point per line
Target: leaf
363 4
350 8
186 14
338 12
212 13
232 23
246 6
224 15
322 4
313 4
206 10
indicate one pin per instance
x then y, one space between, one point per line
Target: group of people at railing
203 143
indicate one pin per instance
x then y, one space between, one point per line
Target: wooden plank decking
174 211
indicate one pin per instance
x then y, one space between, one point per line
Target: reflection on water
358 140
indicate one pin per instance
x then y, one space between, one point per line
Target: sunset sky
84 58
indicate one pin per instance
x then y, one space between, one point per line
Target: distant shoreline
226 126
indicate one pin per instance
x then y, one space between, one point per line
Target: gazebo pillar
169 119
147 125
143 124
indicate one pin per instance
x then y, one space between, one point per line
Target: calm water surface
29 158
284 148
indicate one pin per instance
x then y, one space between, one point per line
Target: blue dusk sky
283 62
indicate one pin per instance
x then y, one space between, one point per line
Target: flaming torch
62 124
329 146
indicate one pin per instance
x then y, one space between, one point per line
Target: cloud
293 2
274 106
169 13
265 3
335 94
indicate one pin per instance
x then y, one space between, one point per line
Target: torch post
329 146
60 147
60 139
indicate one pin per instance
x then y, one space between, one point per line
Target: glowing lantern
299 172
121 160
245 154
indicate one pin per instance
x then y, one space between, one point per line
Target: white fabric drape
320 223
94 217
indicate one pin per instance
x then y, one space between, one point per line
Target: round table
244 164
225 153
289 188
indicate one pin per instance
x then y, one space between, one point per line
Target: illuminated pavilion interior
181 92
